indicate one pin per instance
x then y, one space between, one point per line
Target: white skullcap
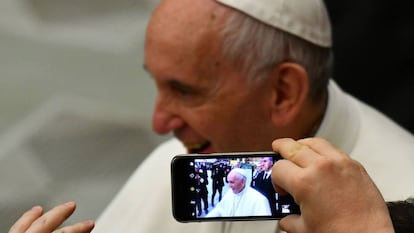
240 171
307 19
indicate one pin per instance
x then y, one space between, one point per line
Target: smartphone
227 186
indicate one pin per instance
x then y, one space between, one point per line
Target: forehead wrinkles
208 57
187 33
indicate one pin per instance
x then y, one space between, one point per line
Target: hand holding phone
227 186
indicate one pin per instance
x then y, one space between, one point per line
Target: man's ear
290 85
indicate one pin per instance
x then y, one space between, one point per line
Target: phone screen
227 186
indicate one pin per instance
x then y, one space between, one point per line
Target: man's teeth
195 146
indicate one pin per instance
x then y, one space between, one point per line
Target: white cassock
248 202
384 148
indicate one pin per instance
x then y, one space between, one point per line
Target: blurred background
374 53
76 104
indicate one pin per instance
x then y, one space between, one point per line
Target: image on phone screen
229 186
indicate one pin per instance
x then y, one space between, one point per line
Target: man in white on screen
242 200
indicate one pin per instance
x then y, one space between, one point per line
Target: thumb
292 224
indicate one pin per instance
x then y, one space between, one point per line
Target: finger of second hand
24 222
53 218
82 227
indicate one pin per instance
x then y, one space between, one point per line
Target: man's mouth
195 148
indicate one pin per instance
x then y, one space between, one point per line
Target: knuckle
325 165
44 220
294 150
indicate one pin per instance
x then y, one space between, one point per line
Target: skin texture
334 192
35 221
203 99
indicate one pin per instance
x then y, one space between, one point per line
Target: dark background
374 53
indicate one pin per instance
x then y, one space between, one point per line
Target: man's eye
181 89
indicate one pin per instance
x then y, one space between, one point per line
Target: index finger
52 219
323 147
81 227
299 153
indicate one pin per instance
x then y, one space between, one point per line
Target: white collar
341 121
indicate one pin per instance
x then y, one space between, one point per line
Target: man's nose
165 120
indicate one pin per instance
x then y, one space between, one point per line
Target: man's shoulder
254 193
380 128
350 124
171 146
160 157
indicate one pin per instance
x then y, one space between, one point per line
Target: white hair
258 47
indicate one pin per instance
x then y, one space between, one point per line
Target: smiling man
233 75
204 94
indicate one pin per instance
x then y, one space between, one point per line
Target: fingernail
37 208
88 223
70 203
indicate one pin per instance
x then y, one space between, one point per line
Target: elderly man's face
236 183
204 100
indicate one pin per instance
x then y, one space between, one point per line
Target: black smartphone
227 186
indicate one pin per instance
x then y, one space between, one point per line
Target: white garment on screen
248 202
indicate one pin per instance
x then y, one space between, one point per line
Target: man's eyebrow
171 81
